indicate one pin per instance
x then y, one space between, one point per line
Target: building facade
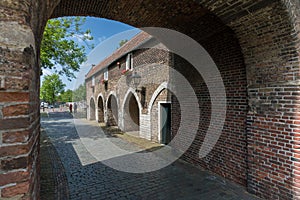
258 39
113 99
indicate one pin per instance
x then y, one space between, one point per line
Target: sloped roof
136 41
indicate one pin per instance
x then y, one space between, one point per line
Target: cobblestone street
78 174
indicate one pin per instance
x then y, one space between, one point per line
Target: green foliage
51 87
59 51
80 93
66 96
122 42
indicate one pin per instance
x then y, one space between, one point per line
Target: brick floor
84 177
54 184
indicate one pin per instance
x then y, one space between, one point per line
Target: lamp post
136 80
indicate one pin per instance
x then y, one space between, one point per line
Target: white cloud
79 37
47 72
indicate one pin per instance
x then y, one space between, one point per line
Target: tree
59 51
52 86
80 93
122 42
66 96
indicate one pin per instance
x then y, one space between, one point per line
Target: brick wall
268 35
228 157
153 65
294 13
273 71
92 109
267 32
19 103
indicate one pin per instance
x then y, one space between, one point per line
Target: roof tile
126 48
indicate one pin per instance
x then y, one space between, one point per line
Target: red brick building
117 103
111 96
254 43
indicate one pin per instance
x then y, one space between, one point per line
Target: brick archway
112 111
164 96
131 112
256 42
100 109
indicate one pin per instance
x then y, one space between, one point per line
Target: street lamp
136 80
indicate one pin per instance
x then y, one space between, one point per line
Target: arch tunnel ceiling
194 18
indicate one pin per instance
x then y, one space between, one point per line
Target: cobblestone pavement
54 183
88 178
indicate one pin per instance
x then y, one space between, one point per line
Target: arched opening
161 118
220 41
100 110
131 114
259 31
92 115
112 111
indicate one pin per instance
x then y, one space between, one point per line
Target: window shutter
131 61
105 74
93 81
128 62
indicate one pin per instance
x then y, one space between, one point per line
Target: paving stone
88 178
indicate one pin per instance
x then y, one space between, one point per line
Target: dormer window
93 81
129 62
105 74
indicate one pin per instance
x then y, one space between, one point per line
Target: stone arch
266 31
131 91
92 109
131 111
154 115
161 87
162 95
250 31
100 112
112 109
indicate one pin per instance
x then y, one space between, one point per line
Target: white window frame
93 81
105 74
129 62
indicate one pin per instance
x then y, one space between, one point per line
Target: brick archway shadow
112 107
124 107
131 113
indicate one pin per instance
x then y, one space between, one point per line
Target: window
129 62
93 81
105 75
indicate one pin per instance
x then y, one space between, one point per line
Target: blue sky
107 34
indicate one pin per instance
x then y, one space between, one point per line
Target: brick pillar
19 101
273 122
293 7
